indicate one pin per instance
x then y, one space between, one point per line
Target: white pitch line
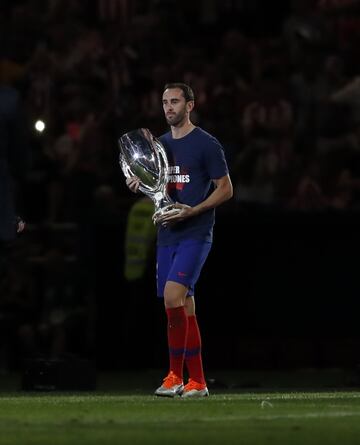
291 396
282 416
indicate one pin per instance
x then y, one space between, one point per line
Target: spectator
14 162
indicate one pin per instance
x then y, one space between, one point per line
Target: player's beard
177 119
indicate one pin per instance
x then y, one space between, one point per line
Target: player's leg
177 327
174 295
196 386
188 261
179 268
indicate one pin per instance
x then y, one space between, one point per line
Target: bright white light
40 126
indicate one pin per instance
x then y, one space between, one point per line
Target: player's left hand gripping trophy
142 155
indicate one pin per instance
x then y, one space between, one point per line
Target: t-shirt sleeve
215 160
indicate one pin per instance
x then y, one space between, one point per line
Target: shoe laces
194 385
171 379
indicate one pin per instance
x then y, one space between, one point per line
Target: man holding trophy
186 174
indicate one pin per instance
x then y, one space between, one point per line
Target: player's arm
222 192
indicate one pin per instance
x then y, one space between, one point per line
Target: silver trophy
143 155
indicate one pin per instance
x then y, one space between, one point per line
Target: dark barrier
280 289
286 290
72 374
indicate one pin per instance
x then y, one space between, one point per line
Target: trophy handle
125 167
163 164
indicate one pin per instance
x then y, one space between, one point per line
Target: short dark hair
187 91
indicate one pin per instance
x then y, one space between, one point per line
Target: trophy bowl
143 155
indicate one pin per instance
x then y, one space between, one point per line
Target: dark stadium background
281 287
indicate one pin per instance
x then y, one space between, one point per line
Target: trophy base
168 210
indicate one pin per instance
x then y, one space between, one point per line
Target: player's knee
172 300
174 294
190 306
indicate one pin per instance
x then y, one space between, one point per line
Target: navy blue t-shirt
194 161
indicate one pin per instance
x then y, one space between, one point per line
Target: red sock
193 358
177 332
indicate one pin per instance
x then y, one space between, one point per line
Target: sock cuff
171 311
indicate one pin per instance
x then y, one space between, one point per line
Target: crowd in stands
285 104
282 94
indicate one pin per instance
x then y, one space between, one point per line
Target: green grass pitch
224 418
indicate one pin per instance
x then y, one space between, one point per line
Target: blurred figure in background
14 161
14 156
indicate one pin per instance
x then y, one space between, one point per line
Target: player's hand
170 219
133 183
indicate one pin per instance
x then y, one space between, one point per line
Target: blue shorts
182 263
